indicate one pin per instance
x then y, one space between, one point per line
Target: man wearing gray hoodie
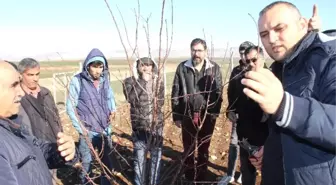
146 100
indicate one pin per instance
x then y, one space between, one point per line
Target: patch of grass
117 85
49 73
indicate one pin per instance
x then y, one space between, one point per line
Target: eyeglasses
251 60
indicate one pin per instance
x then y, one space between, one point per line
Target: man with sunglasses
231 115
246 115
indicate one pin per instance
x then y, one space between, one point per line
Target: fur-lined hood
135 69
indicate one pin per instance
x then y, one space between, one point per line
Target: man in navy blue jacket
299 95
91 106
23 158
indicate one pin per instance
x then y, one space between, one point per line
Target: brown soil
171 151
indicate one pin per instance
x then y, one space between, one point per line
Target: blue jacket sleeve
112 107
313 119
71 103
111 103
6 173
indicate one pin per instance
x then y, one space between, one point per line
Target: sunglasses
253 60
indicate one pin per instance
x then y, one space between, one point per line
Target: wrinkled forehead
280 14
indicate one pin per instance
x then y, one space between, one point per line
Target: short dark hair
198 41
251 48
243 46
270 6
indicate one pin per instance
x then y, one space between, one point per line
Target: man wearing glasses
196 103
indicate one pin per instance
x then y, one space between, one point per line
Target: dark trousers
248 171
199 153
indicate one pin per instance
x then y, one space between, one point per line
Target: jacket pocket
314 174
25 161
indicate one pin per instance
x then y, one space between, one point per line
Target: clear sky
45 27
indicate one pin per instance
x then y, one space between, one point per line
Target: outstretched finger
315 11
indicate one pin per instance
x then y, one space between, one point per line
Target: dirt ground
172 150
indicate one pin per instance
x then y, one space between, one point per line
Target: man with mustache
299 96
38 102
246 116
38 105
90 106
197 96
24 159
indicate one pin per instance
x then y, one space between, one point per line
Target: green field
51 67
115 66
118 89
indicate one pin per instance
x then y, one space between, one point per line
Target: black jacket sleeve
231 94
218 81
177 91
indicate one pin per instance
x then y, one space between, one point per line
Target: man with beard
300 97
90 106
196 103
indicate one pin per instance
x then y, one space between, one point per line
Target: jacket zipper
283 158
25 160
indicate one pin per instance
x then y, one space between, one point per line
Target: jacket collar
10 125
305 42
42 90
29 91
208 64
